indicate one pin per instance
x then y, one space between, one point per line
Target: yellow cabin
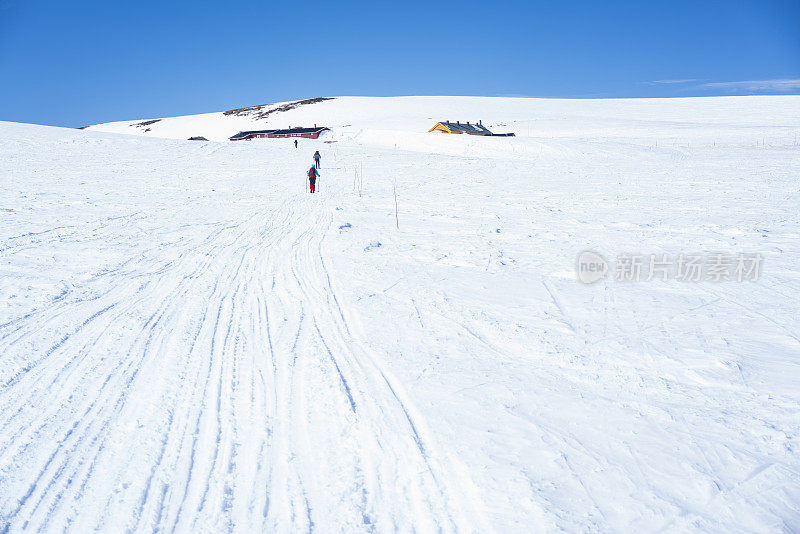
461 128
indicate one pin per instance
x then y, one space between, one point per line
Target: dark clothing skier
295 143
316 158
313 173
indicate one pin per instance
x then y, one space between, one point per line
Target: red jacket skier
312 178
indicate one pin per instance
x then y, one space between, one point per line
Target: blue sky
78 63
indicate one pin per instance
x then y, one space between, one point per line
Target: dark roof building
250 134
307 133
460 128
457 127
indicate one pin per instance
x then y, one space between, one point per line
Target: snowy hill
406 120
191 342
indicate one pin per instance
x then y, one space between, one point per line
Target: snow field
191 342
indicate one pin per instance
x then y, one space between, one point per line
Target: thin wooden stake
396 218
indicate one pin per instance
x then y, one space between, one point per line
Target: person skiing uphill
316 158
313 173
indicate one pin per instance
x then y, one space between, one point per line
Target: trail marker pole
396 218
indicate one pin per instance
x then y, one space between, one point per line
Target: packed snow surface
191 342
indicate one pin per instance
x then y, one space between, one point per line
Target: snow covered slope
191 342
406 120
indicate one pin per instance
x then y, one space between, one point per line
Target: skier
316 158
295 143
313 173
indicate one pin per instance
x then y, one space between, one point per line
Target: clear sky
84 62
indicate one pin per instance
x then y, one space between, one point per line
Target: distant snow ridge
257 112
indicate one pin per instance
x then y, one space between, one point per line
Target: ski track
257 388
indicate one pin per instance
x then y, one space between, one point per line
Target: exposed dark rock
259 112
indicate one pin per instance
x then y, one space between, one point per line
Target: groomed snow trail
215 385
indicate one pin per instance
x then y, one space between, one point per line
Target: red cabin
306 133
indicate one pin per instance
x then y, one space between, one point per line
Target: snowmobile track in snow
266 410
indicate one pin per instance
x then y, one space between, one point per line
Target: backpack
312 172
